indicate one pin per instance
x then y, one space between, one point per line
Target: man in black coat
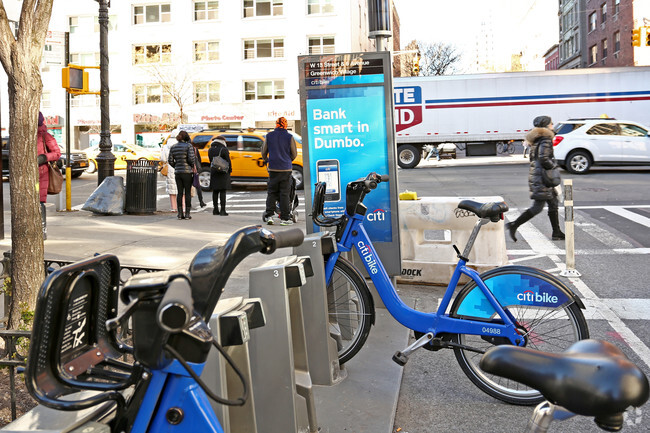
278 150
541 159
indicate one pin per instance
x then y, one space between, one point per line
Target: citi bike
77 350
509 305
591 378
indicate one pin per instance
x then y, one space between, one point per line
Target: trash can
141 179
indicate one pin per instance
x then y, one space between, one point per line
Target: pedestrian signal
636 37
74 79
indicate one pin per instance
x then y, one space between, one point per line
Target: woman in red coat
48 150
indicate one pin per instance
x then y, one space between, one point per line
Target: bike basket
70 346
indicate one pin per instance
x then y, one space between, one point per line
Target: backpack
219 164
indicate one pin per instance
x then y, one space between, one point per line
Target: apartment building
572 47
224 64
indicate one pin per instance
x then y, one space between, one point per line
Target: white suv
581 143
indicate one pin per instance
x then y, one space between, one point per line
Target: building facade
552 58
572 45
223 64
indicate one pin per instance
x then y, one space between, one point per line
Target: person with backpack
219 174
278 151
181 158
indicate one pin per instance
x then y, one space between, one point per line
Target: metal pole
570 270
68 177
105 158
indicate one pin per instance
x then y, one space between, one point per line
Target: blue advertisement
347 140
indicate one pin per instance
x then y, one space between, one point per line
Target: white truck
477 112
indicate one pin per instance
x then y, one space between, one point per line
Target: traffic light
416 64
74 79
647 36
636 37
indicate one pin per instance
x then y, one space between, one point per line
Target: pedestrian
48 151
278 151
540 139
170 182
219 180
197 170
526 145
181 157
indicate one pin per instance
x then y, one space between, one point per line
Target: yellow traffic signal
74 79
647 36
636 37
416 64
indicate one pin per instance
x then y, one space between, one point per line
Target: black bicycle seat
591 378
492 210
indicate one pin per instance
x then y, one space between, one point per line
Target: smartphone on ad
328 172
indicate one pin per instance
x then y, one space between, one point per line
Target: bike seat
492 210
591 378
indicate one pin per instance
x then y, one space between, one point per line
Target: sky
458 22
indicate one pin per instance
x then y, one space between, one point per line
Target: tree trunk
21 57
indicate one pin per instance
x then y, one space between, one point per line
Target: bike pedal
400 358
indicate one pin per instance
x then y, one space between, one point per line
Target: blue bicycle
510 305
149 383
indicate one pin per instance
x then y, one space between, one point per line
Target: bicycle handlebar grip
175 309
289 238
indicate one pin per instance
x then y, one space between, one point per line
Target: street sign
54 49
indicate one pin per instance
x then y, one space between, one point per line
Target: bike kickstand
402 357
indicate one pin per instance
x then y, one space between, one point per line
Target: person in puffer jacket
541 158
181 157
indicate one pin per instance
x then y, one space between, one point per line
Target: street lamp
105 158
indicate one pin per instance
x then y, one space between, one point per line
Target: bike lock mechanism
175 309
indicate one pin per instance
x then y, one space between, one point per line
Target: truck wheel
408 156
578 162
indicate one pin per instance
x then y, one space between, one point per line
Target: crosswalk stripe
620 211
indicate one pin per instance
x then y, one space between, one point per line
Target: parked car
123 152
245 148
79 160
580 144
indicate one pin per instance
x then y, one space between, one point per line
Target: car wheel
578 162
408 156
92 166
204 179
296 172
76 174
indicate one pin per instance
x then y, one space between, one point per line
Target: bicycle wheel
499 147
351 309
511 148
551 329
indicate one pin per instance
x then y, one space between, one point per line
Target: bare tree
176 83
438 58
21 58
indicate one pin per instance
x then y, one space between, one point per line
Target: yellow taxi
245 148
123 152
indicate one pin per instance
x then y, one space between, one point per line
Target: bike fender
514 285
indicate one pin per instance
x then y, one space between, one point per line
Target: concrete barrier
430 226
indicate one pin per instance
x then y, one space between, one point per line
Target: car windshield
565 128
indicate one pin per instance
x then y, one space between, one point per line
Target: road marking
604 236
540 244
639 219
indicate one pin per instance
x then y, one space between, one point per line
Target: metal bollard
279 365
322 351
569 241
230 324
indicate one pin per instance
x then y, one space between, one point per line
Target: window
632 130
604 44
593 52
84 100
80 24
152 54
617 42
112 23
617 4
262 8
565 128
206 51
604 129
321 45
263 48
208 91
73 24
603 12
150 94
206 10
84 59
263 90
319 7
160 13
592 22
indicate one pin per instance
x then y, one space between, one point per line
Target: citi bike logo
377 215
530 296
368 256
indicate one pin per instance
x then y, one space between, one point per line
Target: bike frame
355 236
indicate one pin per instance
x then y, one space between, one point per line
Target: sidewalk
463 160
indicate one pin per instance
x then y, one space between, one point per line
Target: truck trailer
479 111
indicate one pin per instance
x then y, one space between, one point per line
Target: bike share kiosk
278 351
322 350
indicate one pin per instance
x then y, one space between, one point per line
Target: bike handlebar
176 307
